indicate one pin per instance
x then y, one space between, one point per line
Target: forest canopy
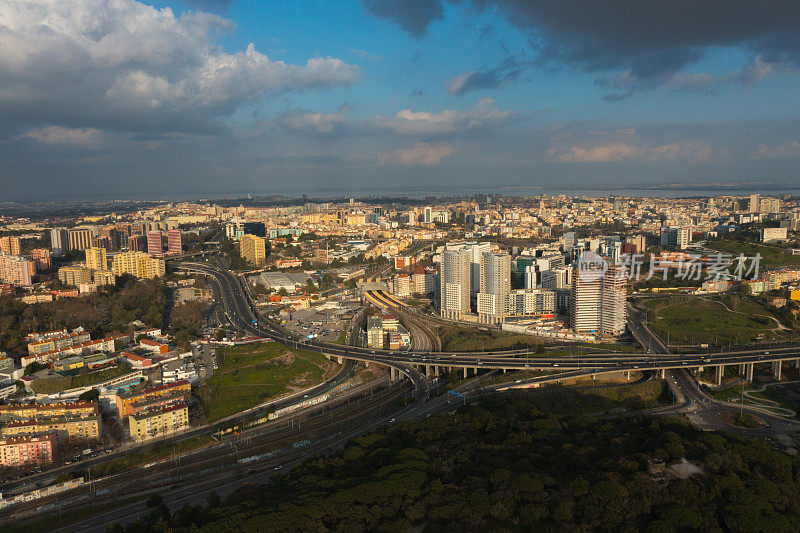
506 465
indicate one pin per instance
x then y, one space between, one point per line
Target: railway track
424 339
314 424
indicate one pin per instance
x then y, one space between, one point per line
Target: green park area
466 339
771 256
716 321
252 373
581 396
740 419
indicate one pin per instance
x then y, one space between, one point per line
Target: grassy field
696 321
510 376
709 374
251 374
770 257
770 393
611 347
457 339
569 400
734 394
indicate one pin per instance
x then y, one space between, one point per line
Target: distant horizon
669 190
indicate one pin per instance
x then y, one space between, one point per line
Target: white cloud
791 149
420 154
690 151
595 154
125 65
314 121
756 70
78 137
623 151
482 116
363 54
408 122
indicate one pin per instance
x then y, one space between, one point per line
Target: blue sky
211 96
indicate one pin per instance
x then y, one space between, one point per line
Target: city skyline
208 97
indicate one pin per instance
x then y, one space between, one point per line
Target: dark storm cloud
651 39
490 78
413 16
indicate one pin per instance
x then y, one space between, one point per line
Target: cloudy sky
128 98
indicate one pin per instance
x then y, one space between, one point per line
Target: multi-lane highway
692 400
235 302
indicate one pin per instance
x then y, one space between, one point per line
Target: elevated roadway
240 311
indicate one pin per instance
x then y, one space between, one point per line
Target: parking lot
205 359
327 323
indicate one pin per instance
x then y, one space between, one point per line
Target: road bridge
240 311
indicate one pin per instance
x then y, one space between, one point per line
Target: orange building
11 245
19 451
41 256
125 402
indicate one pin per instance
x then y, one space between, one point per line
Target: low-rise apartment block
100 345
21 451
57 342
126 402
159 421
86 427
27 411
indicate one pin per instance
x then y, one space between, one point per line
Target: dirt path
779 327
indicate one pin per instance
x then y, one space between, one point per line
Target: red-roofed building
154 346
136 361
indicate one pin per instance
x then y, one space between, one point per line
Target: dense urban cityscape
399 266
167 325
